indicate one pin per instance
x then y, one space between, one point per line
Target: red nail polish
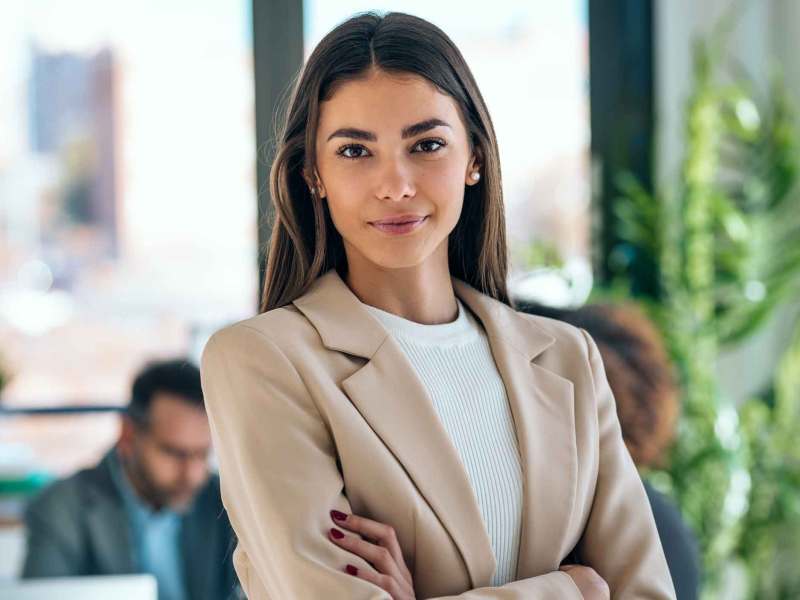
351 569
336 534
338 516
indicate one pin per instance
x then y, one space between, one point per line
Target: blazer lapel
542 405
393 400
107 524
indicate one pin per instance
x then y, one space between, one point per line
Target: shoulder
275 331
573 354
60 497
569 339
268 351
561 330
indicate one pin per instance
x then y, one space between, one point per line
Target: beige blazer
313 407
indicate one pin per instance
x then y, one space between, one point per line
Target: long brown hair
304 242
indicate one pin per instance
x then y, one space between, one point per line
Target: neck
422 293
139 485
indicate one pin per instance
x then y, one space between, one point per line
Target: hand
591 585
380 548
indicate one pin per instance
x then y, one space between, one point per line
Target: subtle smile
399 225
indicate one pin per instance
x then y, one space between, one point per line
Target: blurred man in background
149 506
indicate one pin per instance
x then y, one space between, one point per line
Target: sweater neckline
463 328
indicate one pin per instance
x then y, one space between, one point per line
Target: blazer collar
344 324
390 397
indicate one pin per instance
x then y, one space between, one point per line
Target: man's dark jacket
79 526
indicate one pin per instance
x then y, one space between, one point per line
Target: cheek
445 189
343 194
346 216
448 173
161 468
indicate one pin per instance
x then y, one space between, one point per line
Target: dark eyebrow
408 131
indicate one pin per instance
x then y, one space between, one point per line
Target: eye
438 143
344 151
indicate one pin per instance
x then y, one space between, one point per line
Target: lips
399 225
399 220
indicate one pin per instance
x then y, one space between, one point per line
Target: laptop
118 587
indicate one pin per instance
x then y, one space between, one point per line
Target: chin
400 262
181 502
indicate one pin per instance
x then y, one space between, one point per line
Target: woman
389 426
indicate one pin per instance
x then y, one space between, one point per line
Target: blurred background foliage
769 544
722 247
4 377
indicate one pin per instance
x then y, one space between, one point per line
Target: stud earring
476 176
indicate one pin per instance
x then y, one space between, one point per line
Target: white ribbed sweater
455 363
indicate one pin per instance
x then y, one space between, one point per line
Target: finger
386 583
382 534
378 556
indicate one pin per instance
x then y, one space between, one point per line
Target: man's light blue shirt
156 536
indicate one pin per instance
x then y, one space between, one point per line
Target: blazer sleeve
620 540
280 480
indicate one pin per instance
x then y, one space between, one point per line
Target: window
127 201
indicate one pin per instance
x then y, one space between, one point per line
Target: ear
475 165
126 435
313 181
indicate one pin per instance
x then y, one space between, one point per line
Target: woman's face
389 149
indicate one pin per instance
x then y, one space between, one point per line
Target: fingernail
351 569
336 534
338 516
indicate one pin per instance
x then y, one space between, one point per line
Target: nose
395 181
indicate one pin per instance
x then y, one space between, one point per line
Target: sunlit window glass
127 200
